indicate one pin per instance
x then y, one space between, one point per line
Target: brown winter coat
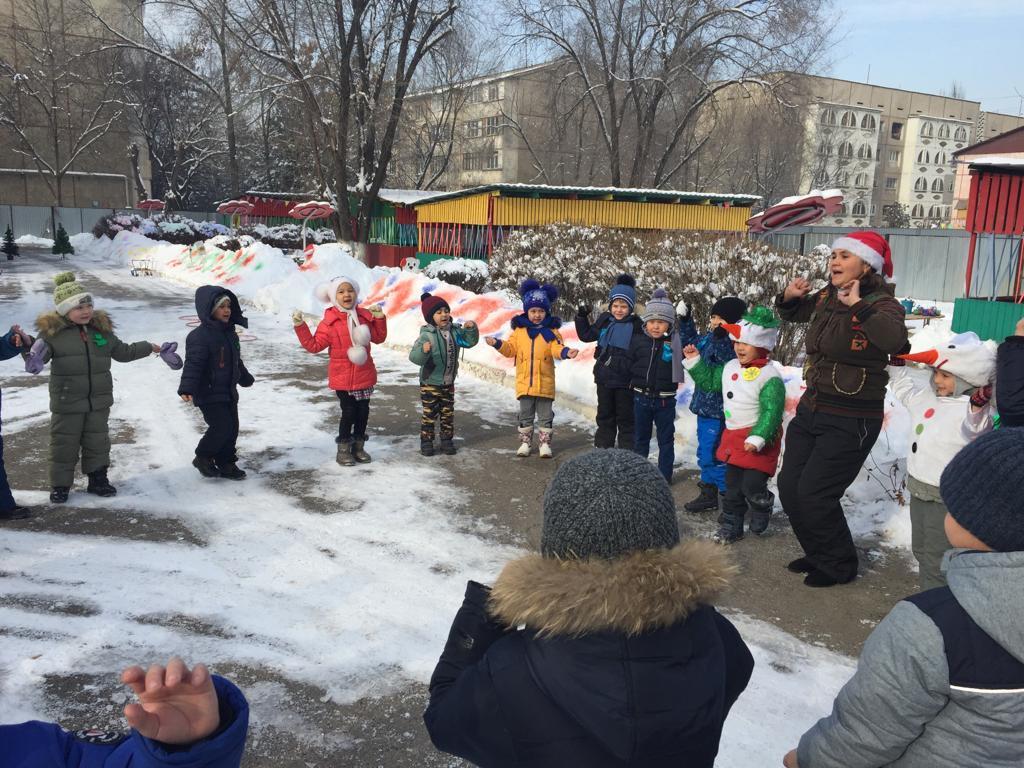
848 348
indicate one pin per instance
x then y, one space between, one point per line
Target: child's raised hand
426 347
176 705
156 348
798 288
749 447
469 325
376 311
493 342
572 353
690 352
297 318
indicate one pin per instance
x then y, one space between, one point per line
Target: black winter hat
981 489
606 504
730 309
431 304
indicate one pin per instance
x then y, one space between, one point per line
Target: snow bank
32 240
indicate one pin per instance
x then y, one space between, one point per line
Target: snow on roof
407 196
667 195
998 160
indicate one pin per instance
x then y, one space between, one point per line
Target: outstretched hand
572 353
491 341
797 289
789 761
298 318
176 706
690 352
376 311
156 348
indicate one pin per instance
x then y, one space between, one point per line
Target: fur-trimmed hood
49 324
643 591
522 321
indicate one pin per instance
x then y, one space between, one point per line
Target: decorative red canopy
232 207
797 211
314 209
150 205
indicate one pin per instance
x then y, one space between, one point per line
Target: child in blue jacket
715 349
183 718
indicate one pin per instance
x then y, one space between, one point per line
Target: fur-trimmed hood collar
643 591
550 321
49 324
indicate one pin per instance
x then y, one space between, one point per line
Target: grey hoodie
902 709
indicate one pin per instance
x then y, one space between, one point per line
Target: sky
924 45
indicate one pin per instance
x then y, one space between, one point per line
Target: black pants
354 415
221 433
823 455
614 414
743 488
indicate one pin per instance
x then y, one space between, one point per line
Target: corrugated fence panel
32 220
5 218
71 219
462 210
931 268
534 212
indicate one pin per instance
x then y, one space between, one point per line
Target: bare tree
61 94
648 68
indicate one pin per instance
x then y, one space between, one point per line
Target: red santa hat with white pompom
870 247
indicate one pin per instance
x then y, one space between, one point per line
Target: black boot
16 513
800 565
230 471
816 578
358 453
426 447
99 485
59 494
761 512
707 500
345 457
731 528
448 448
205 466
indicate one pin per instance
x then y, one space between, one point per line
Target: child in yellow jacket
535 343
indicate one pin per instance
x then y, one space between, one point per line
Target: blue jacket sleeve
197 354
7 348
1010 381
34 743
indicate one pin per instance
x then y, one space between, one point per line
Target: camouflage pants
438 405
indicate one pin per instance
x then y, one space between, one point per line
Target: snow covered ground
357 603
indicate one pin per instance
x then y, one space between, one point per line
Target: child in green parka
436 351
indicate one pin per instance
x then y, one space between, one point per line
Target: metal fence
42 221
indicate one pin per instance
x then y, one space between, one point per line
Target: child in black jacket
1010 379
656 371
213 372
613 331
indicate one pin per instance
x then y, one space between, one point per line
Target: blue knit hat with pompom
536 295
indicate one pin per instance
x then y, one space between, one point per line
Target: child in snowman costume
347 331
754 398
947 413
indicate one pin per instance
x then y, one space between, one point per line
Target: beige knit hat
68 294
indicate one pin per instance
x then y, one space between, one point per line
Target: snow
407 196
997 160
441 267
32 240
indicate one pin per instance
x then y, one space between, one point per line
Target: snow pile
439 268
33 241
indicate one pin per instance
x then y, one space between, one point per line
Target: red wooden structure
996 207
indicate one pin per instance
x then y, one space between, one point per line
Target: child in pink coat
347 331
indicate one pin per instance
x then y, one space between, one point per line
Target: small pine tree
9 247
62 243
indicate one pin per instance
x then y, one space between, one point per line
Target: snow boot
761 512
16 513
358 453
448 448
545 444
426 447
345 457
820 579
205 466
730 530
707 500
231 471
525 441
99 485
59 494
800 565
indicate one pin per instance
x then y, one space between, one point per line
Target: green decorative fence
989 319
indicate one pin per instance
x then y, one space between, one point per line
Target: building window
890 182
472 129
861 180
865 152
849 120
492 125
897 130
961 134
944 131
938 186
940 158
440 132
470 162
846 149
917 212
859 209
927 130
868 123
494 161
474 95
492 92
825 148
924 156
828 117
921 185
894 157
873 209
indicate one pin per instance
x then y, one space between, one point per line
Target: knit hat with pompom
68 294
431 304
660 307
625 289
537 296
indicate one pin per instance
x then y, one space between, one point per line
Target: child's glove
34 362
682 309
170 356
298 318
981 396
376 311
583 309
246 379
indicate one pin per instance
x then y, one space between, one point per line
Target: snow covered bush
698 267
470 274
287 236
168 227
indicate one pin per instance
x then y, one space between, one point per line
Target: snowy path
326 591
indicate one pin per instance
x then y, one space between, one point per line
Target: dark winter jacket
432 364
36 744
848 348
611 364
651 365
80 356
940 682
213 356
1010 382
715 349
641 672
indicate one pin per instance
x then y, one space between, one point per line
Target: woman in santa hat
855 325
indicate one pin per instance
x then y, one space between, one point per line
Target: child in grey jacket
940 682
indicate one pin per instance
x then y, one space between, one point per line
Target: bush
469 274
287 236
700 268
167 227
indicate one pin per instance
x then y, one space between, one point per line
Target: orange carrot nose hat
965 356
